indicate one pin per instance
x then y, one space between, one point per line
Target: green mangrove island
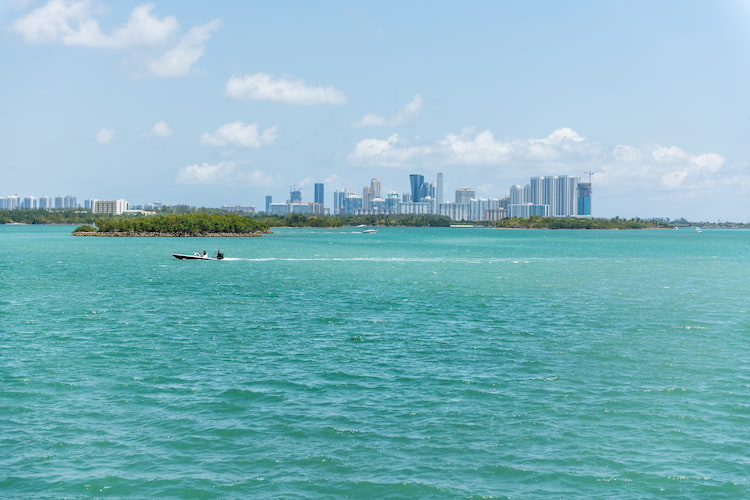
195 224
538 222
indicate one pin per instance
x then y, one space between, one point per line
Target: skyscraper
417 183
375 188
319 193
561 193
584 198
439 192
339 200
566 197
366 197
518 195
464 195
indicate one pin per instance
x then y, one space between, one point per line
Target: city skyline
223 103
555 196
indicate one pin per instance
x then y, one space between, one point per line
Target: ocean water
411 363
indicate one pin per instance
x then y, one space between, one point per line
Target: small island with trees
193 224
538 222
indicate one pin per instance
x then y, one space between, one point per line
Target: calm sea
410 363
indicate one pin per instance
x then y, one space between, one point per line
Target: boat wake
376 259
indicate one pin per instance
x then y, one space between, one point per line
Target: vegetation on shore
43 216
194 221
404 220
300 220
195 224
537 222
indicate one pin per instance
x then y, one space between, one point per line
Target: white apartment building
109 207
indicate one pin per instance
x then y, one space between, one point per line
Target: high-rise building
319 194
352 204
295 195
417 187
518 194
269 200
278 208
526 210
375 188
110 207
366 197
439 191
560 193
339 200
392 202
9 202
536 190
465 195
584 198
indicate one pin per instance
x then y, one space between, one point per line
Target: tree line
538 222
43 216
180 224
80 216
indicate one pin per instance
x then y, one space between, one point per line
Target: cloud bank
620 168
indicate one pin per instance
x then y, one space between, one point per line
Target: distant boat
698 230
199 256
370 231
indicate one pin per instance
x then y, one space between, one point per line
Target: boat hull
191 257
183 256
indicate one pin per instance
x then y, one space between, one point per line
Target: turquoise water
411 363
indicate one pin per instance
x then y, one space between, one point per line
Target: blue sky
224 102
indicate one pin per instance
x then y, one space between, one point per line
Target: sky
224 102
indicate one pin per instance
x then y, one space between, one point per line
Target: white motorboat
199 256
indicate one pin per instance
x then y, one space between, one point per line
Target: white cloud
618 168
387 152
226 172
410 110
264 87
161 129
179 60
257 178
660 167
75 23
372 120
246 135
72 22
472 148
105 136
207 174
